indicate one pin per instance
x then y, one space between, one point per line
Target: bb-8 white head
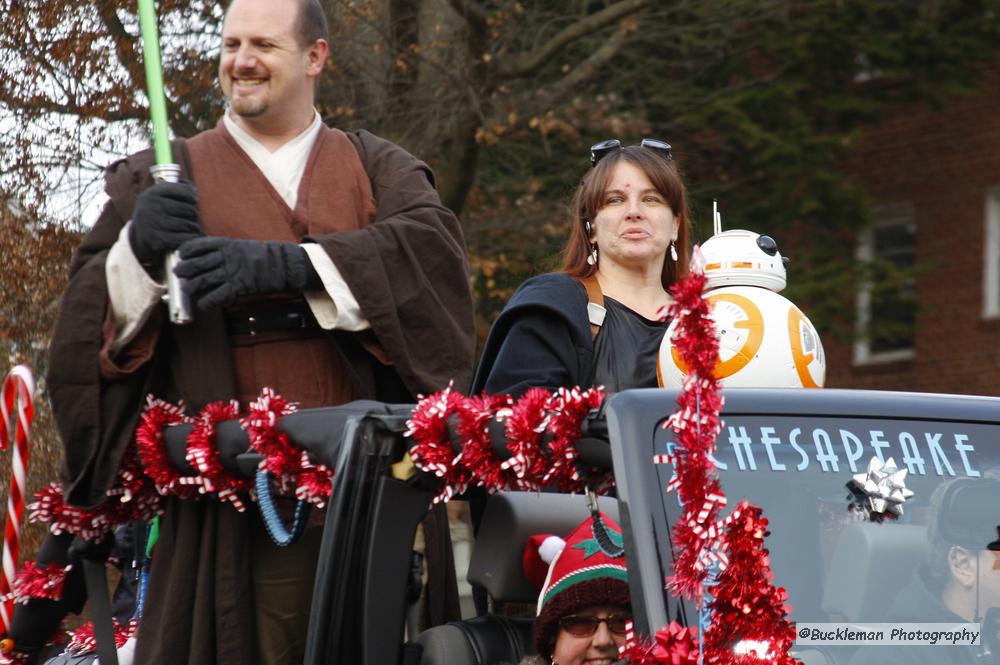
764 339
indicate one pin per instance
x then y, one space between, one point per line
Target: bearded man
320 263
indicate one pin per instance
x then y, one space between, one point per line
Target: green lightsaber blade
154 81
178 302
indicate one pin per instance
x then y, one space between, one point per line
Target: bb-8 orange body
765 341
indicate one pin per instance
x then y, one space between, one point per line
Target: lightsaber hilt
165 170
178 301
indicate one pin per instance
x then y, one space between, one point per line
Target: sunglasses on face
585 625
600 150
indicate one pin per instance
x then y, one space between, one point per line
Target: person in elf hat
584 604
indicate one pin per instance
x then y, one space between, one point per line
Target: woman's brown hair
589 199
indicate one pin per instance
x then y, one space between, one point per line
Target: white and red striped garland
482 465
152 449
289 465
82 640
568 407
743 603
532 464
203 455
147 473
93 523
35 581
525 426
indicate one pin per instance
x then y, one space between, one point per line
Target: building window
991 256
887 304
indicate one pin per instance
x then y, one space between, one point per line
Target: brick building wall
942 163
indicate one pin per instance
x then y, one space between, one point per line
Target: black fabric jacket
916 603
541 338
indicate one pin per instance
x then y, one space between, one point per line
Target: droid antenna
716 218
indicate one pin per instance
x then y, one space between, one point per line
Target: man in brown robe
322 264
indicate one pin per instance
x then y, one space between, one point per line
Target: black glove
219 270
165 216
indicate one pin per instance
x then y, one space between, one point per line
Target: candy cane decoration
19 391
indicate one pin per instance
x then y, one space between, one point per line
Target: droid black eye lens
767 245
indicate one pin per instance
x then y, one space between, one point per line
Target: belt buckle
290 321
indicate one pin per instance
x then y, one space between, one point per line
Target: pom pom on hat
540 551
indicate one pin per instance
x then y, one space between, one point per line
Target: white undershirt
284 167
133 293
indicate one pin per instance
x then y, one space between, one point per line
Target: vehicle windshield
936 562
798 469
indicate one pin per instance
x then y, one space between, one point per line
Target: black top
917 603
626 349
542 338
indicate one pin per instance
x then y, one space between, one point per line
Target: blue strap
272 521
143 566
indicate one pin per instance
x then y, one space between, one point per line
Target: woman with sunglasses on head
600 320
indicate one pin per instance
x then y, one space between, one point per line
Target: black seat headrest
509 519
870 564
484 640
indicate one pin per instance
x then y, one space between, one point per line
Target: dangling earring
592 259
673 251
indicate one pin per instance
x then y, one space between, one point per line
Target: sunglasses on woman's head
599 151
585 625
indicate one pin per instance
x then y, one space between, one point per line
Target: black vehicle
792 452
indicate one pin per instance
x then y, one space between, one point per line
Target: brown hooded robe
409 273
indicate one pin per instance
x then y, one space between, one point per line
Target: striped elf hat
588 571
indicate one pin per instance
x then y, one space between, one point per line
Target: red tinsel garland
428 427
203 455
696 424
152 448
288 464
525 425
531 467
82 639
94 523
746 605
281 458
147 473
568 406
674 644
477 456
35 581
313 483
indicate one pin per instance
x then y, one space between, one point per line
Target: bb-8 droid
765 341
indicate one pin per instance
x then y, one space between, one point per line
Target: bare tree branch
122 39
472 11
41 106
526 63
587 70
